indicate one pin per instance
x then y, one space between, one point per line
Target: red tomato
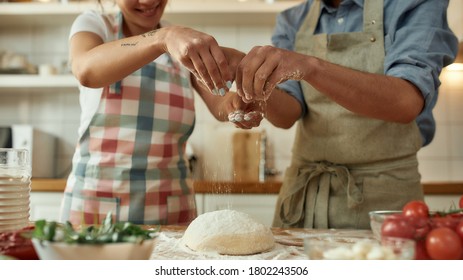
416 208
422 231
459 230
444 221
420 225
397 227
420 251
443 244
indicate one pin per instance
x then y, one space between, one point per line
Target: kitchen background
42 38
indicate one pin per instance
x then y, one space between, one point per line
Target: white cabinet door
259 206
45 205
442 202
199 197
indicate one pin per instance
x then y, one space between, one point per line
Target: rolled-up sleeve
90 21
284 36
419 44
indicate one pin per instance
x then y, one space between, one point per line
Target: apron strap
315 192
116 88
312 18
373 15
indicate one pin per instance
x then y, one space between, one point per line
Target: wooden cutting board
246 156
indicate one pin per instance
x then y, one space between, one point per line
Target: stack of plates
14 203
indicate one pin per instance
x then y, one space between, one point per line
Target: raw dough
228 232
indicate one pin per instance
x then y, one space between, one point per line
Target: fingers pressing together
256 73
245 120
202 56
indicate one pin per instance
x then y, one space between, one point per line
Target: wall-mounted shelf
217 12
37 81
185 12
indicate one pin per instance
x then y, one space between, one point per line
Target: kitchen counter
267 187
289 244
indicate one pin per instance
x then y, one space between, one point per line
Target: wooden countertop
267 187
289 244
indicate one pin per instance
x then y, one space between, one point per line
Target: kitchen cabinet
45 205
258 199
46 196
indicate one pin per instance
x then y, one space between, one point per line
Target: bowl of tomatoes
438 235
377 218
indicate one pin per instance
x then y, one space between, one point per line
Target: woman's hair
327 2
100 3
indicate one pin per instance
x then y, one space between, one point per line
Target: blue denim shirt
418 44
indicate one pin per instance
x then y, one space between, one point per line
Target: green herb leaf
107 232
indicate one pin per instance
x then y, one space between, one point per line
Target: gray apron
345 165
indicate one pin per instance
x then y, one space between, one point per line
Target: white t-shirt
93 21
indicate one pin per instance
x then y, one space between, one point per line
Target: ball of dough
228 232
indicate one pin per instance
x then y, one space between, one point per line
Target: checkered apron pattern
131 159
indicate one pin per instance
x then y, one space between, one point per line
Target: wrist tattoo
129 44
149 33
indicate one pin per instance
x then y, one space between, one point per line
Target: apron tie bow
308 200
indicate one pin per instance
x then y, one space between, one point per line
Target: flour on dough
228 232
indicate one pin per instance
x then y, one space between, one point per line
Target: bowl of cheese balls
329 246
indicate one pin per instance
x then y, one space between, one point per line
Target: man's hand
263 68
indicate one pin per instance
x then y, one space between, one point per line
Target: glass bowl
333 247
377 218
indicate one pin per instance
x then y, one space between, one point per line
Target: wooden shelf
268 187
186 12
21 81
48 185
177 11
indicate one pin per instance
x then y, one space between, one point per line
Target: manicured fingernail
229 84
222 91
215 92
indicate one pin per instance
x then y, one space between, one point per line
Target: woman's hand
201 54
234 58
243 115
263 68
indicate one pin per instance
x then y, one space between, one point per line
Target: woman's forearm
104 64
97 64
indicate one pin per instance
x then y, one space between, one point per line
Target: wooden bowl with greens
108 241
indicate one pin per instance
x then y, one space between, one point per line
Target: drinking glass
15 182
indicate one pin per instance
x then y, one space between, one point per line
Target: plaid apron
131 159
345 165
